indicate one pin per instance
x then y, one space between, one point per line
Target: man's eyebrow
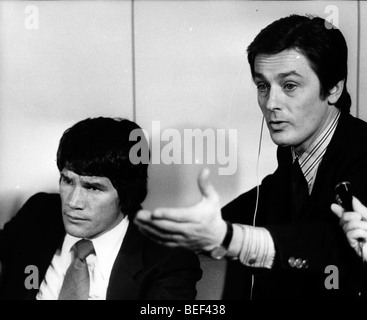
258 75
94 184
281 75
290 73
63 175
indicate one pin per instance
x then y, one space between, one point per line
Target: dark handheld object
344 195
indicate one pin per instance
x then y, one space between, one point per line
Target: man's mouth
75 219
277 124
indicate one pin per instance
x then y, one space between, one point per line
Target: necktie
299 191
76 281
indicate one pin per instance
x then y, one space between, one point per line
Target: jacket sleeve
318 240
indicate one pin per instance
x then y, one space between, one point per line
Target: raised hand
199 227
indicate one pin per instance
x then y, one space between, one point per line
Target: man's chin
76 231
281 139
280 142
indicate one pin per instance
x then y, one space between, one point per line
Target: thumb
206 188
337 209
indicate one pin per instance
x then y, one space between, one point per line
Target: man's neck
330 116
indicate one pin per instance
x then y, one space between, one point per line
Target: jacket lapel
325 173
129 262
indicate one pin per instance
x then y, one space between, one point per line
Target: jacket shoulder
39 206
357 127
44 197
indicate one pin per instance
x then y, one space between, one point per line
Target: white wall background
362 74
77 64
182 63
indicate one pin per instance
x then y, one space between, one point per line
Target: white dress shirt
100 264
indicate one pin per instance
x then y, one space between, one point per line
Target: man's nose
273 102
75 199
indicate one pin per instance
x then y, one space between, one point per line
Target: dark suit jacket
316 236
142 270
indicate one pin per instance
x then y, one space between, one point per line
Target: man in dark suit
87 226
281 238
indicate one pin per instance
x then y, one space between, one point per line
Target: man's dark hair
319 41
100 147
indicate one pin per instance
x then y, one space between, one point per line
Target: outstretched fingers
145 218
174 214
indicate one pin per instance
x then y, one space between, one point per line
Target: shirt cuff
253 246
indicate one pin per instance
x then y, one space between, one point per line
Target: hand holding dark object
344 195
353 218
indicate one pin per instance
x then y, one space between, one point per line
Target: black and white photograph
179 150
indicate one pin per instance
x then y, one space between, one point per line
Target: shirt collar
106 246
320 143
311 158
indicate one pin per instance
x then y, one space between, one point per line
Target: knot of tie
83 248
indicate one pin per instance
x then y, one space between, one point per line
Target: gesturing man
284 235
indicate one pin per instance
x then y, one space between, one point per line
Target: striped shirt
309 160
254 246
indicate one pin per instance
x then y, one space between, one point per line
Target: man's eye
66 180
262 87
290 86
92 188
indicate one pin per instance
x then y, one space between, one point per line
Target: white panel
72 63
192 72
363 62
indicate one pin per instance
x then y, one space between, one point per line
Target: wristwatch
220 251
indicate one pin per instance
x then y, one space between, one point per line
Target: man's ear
335 93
